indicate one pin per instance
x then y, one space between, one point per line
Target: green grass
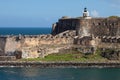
71 56
61 57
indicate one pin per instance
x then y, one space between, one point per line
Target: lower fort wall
11 46
33 46
42 45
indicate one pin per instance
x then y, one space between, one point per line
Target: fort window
99 23
113 24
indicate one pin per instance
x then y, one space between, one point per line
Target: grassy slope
71 56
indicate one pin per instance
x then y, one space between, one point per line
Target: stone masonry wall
96 26
2 45
33 46
11 45
84 28
64 25
105 27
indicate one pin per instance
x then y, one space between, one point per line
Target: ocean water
35 73
24 31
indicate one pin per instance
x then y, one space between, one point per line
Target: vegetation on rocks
113 16
70 56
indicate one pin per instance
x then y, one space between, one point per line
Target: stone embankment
60 64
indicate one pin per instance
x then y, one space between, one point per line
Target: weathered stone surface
7 58
111 54
86 27
33 46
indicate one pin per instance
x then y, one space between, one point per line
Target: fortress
85 34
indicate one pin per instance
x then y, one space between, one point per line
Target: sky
43 13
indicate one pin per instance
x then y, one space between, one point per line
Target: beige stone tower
84 26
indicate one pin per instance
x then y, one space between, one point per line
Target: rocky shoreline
60 64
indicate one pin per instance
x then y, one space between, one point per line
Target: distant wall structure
86 27
64 24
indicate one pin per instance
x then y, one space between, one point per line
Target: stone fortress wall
91 32
84 33
33 46
96 26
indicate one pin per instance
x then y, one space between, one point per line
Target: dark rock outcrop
111 54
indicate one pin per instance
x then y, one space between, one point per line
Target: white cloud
94 13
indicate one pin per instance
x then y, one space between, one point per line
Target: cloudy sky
42 13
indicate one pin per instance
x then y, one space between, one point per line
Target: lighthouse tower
86 14
84 25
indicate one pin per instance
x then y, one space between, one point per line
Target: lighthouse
86 14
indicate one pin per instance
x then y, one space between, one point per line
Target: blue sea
25 31
36 73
